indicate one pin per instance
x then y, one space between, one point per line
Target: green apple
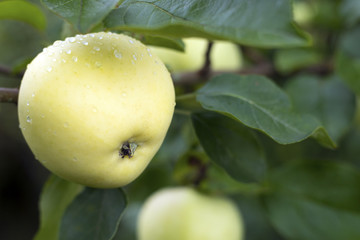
224 56
186 214
95 108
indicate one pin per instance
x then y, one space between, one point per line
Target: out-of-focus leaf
249 22
230 145
315 200
350 11
288 60
258 103
94 214
348 59
84 15
329 100
175 44
23 11
56 196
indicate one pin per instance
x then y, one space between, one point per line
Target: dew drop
68 51
117 54
98 64
87 86
131 41
27 103
49 69
132 61
54 59
149 52
96 48
63 60
57 43
94 109
72 39
124 94
92 35
42 116
28 119
75 59
85 43
33 95
134 57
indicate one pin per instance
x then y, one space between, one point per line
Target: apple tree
266 115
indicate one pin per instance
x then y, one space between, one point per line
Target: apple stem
127 149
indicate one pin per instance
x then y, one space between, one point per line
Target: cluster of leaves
284 145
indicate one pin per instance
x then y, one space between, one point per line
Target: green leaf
57 194
249 22
288 60
84 15
94 214
23 11
175 44
350 11
348 59
258 103
230 145
329 100
315 200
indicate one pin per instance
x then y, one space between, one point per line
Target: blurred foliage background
22 177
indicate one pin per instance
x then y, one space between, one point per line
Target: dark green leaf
84 15
230 145
350 10
315 200
56 196
348 59
249 22
329 100
94 214
175 44
288 60
23 11
258 103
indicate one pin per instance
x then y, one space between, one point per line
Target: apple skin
185 214
83 98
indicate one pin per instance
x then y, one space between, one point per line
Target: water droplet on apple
49 69
94 109
124 94
72 39
96 48
85 43
68 51
100 37
75 59
117 54
149 52
131 41
42 116
92 35
27 103
98 64
134 57
28 119
33 95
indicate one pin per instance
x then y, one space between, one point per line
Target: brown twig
206 69
9 95
8 72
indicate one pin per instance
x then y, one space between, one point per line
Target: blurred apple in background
224 56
